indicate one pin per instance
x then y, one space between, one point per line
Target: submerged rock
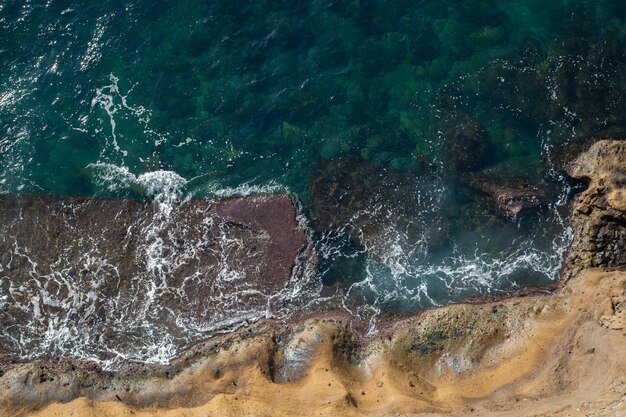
463 142
510 194
464 145
371 201
510 197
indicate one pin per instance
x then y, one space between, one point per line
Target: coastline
558 354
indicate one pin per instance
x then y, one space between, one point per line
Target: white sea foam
65 311
95 46
397 270
16 148
166 187
401 274
218 190
113 101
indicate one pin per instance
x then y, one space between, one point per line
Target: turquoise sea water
399 105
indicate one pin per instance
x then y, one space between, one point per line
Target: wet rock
297 354
510 195
599 220
464 144
568 152
105 270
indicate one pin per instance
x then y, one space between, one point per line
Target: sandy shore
557 355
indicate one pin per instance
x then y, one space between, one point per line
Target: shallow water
377 115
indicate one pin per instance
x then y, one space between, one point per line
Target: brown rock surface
600 211
163 267
266 225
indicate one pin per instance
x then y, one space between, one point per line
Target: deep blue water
380 117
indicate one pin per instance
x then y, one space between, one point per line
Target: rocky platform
556 355
163 272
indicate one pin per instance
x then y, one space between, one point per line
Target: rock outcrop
543 356
599 219
509 197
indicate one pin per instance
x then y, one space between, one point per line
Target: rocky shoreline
149 265
557 354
